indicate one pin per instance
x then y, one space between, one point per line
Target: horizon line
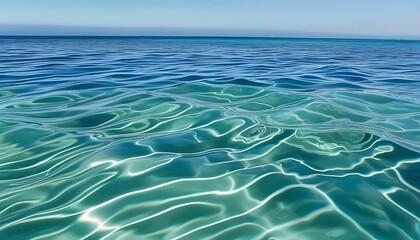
201 36
10 29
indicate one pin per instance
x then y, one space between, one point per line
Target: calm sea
209 138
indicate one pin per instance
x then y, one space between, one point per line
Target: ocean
209 138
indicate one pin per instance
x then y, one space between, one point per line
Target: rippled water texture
195 138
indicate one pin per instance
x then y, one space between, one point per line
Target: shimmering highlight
124 138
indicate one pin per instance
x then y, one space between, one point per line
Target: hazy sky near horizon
370 17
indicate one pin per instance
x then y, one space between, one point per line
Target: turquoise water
209 138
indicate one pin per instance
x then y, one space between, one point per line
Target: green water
119 157
201 161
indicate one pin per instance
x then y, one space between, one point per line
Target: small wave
208 139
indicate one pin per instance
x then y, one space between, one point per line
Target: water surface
209 138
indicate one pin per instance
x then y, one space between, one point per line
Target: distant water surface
209 138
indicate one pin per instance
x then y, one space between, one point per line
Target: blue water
209 138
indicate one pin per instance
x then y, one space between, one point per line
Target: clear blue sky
370 17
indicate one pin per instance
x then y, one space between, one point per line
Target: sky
381 18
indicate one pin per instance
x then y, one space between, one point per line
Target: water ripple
195 138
